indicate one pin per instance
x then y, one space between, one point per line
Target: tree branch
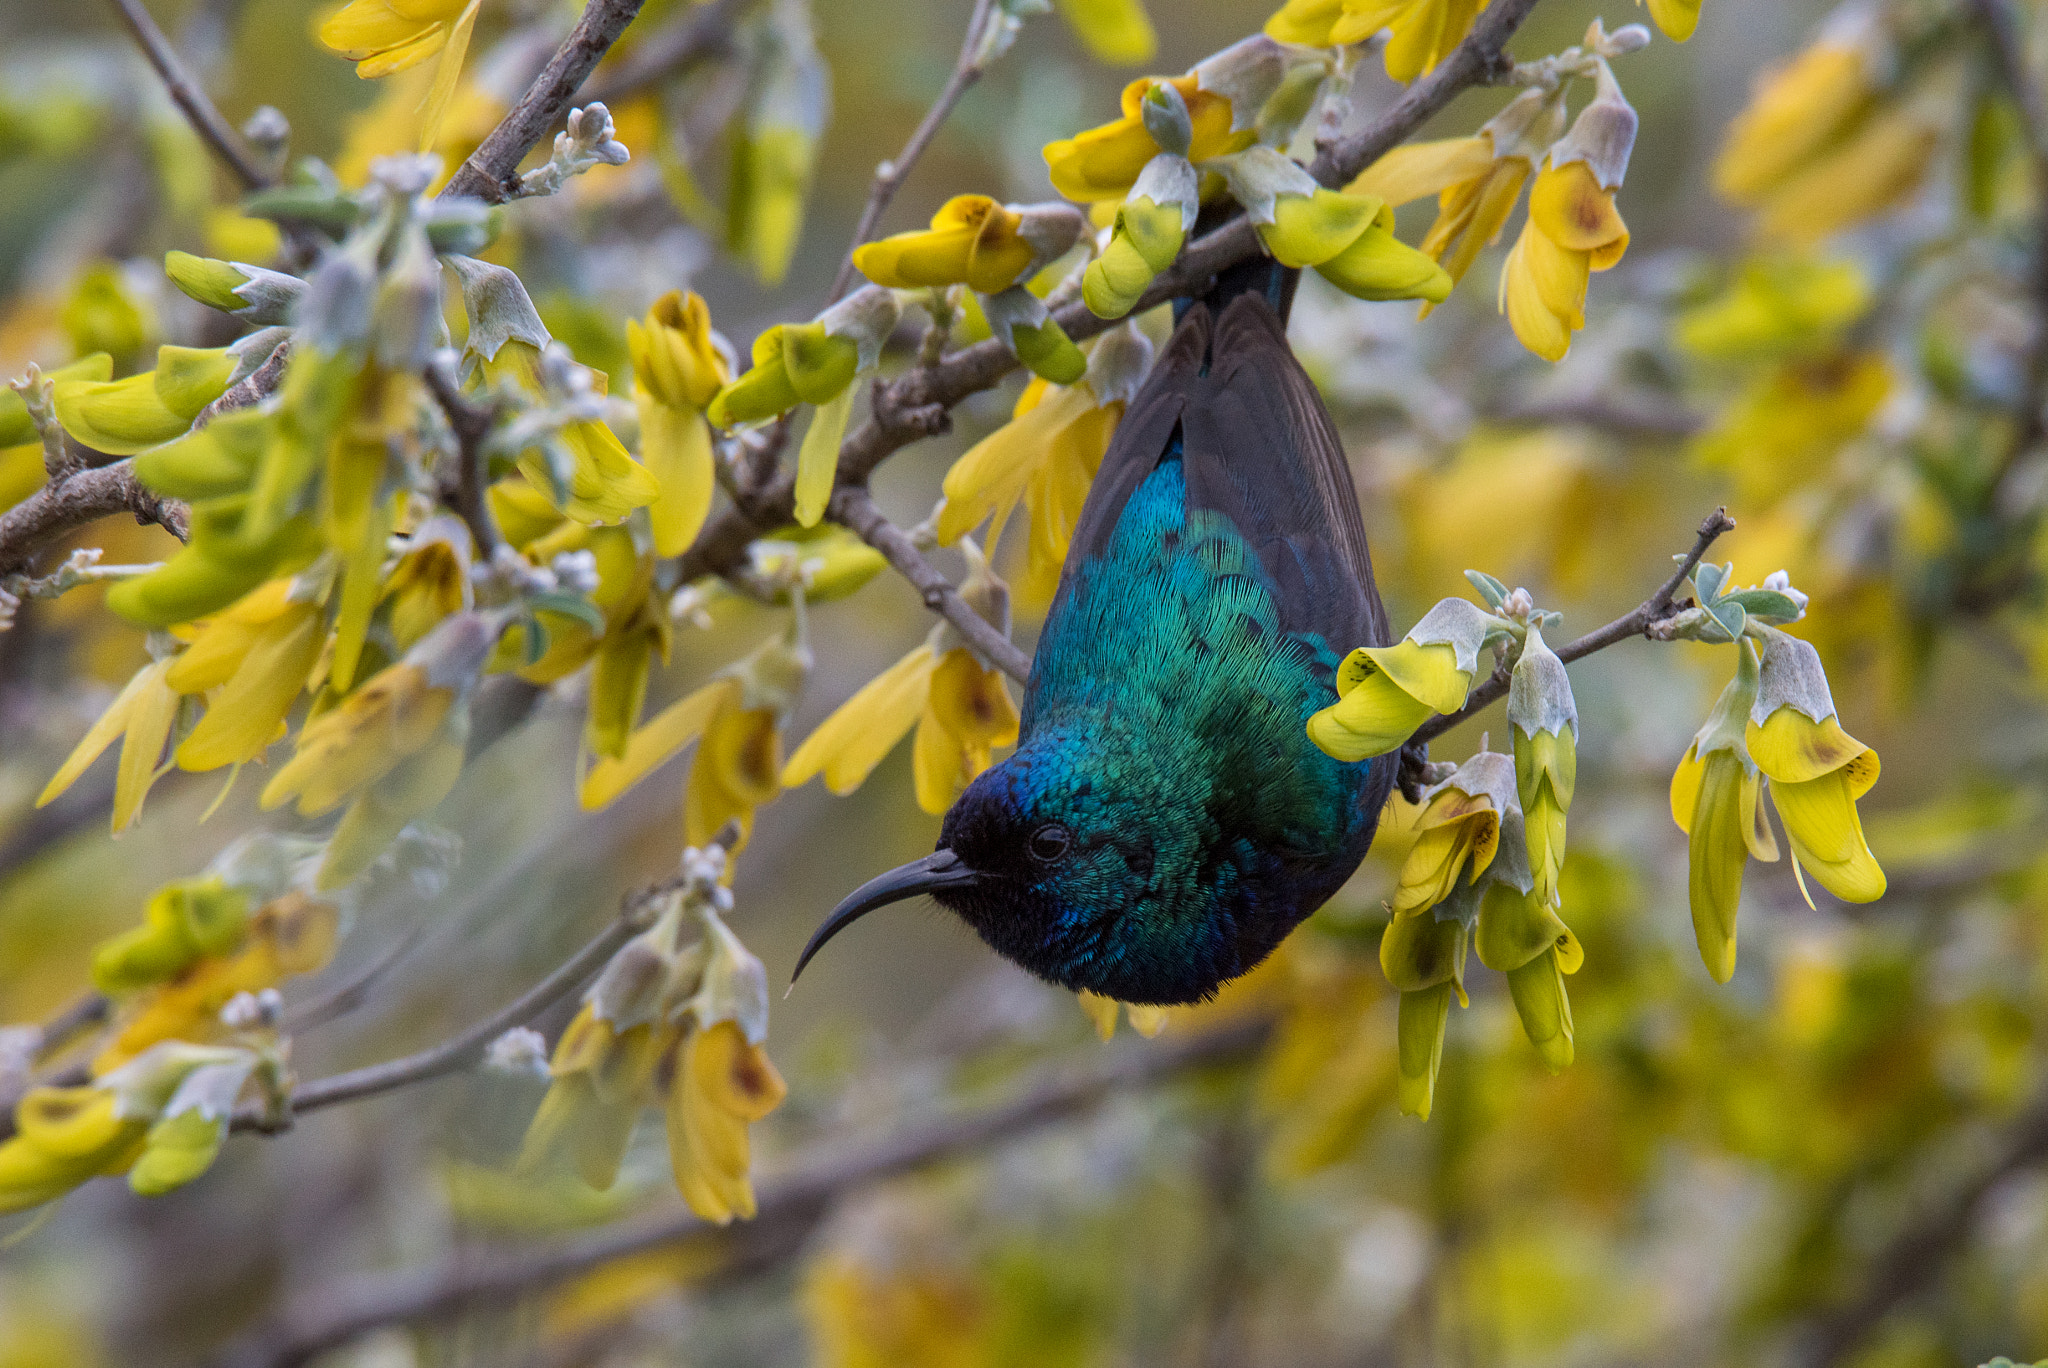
82 497
813 1182
890 175
1653 609
854 508
466 1047
915 404
465 493
698 36
199 111
492 171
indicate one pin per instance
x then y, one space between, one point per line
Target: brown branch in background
1916 1259
2001 23
1653 609
252 388
854 508
702 34
206 121
903 408
890 175
82 497
492 171
336 1315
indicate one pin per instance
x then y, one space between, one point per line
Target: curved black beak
940 869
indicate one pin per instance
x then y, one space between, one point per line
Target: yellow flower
1817 771
602 1077
1384 693
287 937
1880 165
1455 830
677 369
1102 1012
64 1136
1103 163
961 711
1796 109
257 653
606 483
1776 306
1424 31
737 720
428 584
1789 422
972 241
1677 18
1714 796
386 36
723 1083
1521 936
1572 230
122 417
391 124
1046 456
182 922
618 678
1115 31
794 363
141 715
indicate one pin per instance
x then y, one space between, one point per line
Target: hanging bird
1165 820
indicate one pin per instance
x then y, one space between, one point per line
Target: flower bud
1165 115
1021 321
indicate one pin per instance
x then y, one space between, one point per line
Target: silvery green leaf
498 306
534 639
1492 590
1730 615
1766 605
569 605
1707 580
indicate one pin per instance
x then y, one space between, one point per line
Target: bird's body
1165 820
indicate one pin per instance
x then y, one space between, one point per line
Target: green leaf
1492 590
1708 579
570 605
1767 605
1730 615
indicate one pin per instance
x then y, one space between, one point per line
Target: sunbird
1165 819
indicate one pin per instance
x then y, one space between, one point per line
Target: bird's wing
1141 439
1259 448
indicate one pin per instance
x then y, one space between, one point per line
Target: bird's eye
1049 842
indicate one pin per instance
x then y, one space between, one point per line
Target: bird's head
1054 864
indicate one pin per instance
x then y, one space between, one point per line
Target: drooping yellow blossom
606 483
962 711
1521 936
1819 149
133 1120
183 921
1384 693
285 938
679 1028
1572 230
122 417
1456 829
392 124
677 369
1543 722
1714 795
383 37
737 720
1816 771
428 584
257 653
973 241
1103 163
141 715
1424 31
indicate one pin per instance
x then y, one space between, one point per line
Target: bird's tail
1260 275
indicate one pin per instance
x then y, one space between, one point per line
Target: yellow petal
1568 206
1537 271
1827 836
676 444
110 724
1791 748
1414 170
142 749
848 745
667 732
446 75
1420 1045
1716 855
1546 1011
241 720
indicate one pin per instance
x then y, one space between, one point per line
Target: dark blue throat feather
1165 820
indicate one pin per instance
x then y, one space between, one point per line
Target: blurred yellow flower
383 37
722 1084
1384 693
973 241
1676 18
1115 31
1781 431
606 483
257 653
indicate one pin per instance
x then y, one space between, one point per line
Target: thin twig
698 36
252 388
472 424
334 1316
492 171
854 508
891 174
466 1047
914 404
86 496
206 121
2002 27
1653 609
